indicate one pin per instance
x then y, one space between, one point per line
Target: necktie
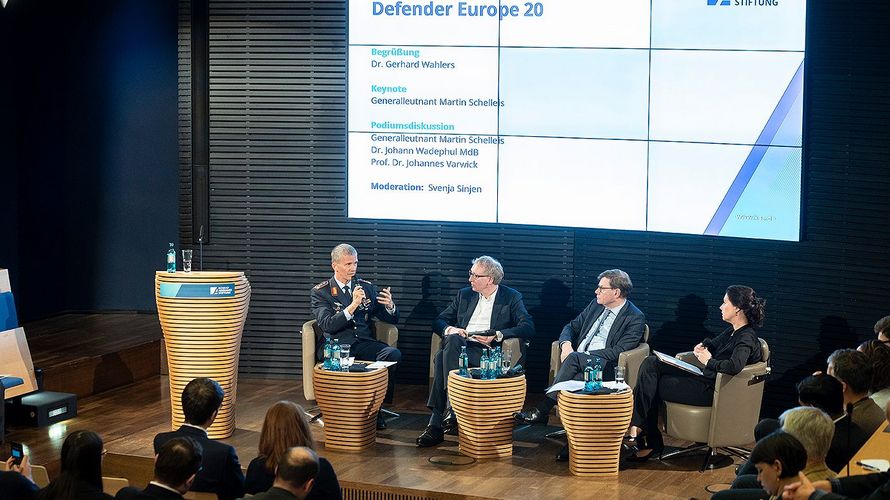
593 333
347 291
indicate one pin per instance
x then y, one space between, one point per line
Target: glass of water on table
345 360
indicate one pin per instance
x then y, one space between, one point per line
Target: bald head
297 470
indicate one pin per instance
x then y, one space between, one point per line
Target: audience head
618 280
882 329
746 302
822 391
201 399
177 463
285 426
813 428
878 354
778 458
82 454
297 470
852 369
489 267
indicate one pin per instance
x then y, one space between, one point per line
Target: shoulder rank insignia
321 285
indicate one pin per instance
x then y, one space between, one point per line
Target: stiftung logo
213 290
745 3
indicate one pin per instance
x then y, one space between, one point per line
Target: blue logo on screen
745 3
716 2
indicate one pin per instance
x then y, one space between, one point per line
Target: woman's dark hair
746 299
783 447
878 354
81 462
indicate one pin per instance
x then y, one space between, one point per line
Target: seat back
737 401
40 475
312 334
631 360
111 485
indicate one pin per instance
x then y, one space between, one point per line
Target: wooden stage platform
113 362
129 417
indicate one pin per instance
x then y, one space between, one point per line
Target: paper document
578 385
678 363
381 364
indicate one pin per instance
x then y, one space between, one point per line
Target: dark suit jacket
869 486
328 302
14 486
508 313
275 494
626 332
221 473
151 492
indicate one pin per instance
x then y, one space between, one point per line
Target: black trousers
373 350
659 382
446 360
573 369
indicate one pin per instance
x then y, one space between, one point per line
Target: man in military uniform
345 306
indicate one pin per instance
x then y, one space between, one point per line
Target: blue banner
197 290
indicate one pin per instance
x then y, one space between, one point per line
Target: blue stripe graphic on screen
715 2
754 160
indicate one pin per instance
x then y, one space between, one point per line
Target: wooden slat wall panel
278 205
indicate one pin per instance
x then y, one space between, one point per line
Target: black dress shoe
381 422
531 416
449 423
563 455
430 437
653 453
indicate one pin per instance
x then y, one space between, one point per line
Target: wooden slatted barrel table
595 426
349 402
202 316
484 410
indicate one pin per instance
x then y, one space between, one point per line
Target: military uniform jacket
329 303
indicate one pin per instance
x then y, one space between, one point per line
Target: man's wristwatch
498 336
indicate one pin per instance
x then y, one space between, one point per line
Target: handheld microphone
366 301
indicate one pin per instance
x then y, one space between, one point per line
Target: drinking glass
619 375
187 260
344 358
506 361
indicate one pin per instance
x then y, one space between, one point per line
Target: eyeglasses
605 288
474 275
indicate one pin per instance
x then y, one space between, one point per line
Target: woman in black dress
285 426
736 347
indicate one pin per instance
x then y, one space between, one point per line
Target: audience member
221 471
176 465
294 476
866 487
878 354
81 470
852 369
779 458
882 329
16 482
285 427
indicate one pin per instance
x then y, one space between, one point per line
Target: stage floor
130 416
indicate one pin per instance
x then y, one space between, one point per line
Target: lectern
202 316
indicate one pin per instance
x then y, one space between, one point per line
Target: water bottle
598 374
495 362
335 356
483 364
589 377
327 354
463 362
171 259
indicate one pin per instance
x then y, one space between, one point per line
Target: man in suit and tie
344 307
608 326
485 305
294 476
220 470
177 464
